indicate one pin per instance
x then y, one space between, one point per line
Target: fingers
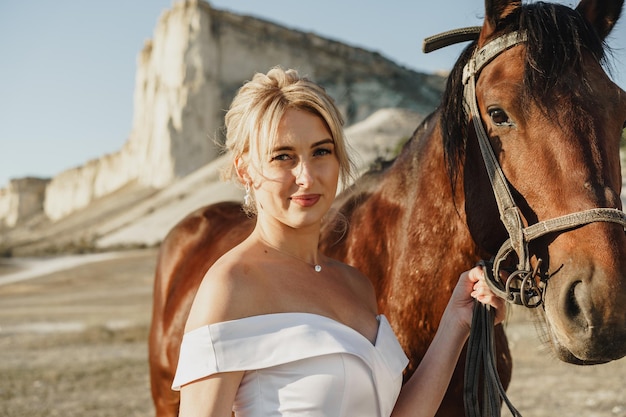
475 274
473 285
484 294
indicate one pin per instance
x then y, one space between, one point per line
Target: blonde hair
255 113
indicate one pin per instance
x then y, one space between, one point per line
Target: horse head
553 120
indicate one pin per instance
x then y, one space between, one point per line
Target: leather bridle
521 286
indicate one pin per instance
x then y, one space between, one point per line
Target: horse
552 119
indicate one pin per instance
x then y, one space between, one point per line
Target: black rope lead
481 362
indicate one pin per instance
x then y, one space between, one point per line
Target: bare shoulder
359 284
229 290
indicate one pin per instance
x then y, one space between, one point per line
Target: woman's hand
473 286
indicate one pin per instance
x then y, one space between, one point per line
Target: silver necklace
316 267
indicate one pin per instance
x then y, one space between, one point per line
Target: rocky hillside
186 76
136 216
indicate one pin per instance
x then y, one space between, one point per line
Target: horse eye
499 117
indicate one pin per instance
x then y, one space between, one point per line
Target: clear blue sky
67 67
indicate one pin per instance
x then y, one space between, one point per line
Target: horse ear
496 11
601 14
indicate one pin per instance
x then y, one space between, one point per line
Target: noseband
521 286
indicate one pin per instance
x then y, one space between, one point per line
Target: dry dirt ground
73 343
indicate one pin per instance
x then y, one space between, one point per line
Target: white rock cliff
186 77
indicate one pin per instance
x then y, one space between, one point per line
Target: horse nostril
572 307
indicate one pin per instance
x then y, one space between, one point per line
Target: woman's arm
422 394
224 294
210 397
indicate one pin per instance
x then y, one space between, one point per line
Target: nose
303 174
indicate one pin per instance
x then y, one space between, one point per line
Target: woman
276 327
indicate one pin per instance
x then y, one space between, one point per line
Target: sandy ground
73 343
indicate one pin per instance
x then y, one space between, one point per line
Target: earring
246 197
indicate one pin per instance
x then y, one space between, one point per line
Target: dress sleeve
254 343
197 357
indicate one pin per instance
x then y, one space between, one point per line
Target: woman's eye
322 151
281 157
499 117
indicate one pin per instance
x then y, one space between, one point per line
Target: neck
298 244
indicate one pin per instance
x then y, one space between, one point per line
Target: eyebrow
314 145
323 142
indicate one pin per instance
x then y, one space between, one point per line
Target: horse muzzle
584 300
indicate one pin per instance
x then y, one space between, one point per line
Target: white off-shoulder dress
298 364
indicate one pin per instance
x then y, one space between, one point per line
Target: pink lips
306 200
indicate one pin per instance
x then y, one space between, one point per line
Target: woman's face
298 182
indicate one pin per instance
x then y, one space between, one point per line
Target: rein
521 286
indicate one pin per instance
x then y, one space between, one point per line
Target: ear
495 12
601 14
241 168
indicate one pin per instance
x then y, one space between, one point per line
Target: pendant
318 268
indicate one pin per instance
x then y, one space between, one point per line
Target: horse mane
558 39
